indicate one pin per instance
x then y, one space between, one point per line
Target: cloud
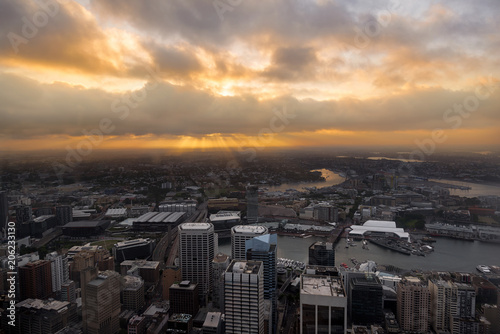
32 109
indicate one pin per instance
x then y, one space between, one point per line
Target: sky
184 74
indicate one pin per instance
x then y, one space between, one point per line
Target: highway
172 243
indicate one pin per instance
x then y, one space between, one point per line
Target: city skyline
235 74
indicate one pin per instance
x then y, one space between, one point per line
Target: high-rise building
323 305
23 214
322 254
414 305
366 300
4 211
64 214
240 234
264 248
326 213
132 292
184 298
252 196
244 297
35 280
101 303
441 304
170 275
68 291
219 266
464 310
196 251
45 316
59 270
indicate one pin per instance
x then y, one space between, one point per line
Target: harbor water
448 255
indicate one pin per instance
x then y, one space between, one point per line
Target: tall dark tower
4 211
252 204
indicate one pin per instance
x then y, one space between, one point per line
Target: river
331 179
477 189
448 255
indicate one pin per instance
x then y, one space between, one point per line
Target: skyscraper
252 196
464 309
59 270
101 302
414 305
64 214
132 292
244 297
322 254
240 234
196 251
264 248
323 305
219 266
441 304
366 300
4 211
35 280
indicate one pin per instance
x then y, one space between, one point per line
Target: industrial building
133 249
158 221
224 220
378 228
85 228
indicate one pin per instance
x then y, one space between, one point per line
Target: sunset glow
184 75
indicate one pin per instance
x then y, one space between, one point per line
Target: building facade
414 305
322 254
244 297
239 235
323 305
196 252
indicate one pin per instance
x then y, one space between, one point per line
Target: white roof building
378 228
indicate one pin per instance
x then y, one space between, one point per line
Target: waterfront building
378 228
240 234
323 305
244 297
197 243
322 254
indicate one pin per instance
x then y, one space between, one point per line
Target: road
172 243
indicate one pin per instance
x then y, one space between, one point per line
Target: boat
484 269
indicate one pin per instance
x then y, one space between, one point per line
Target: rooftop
196 226
244 267
212 319
254 229
48 305
142 264
132 242
322 285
